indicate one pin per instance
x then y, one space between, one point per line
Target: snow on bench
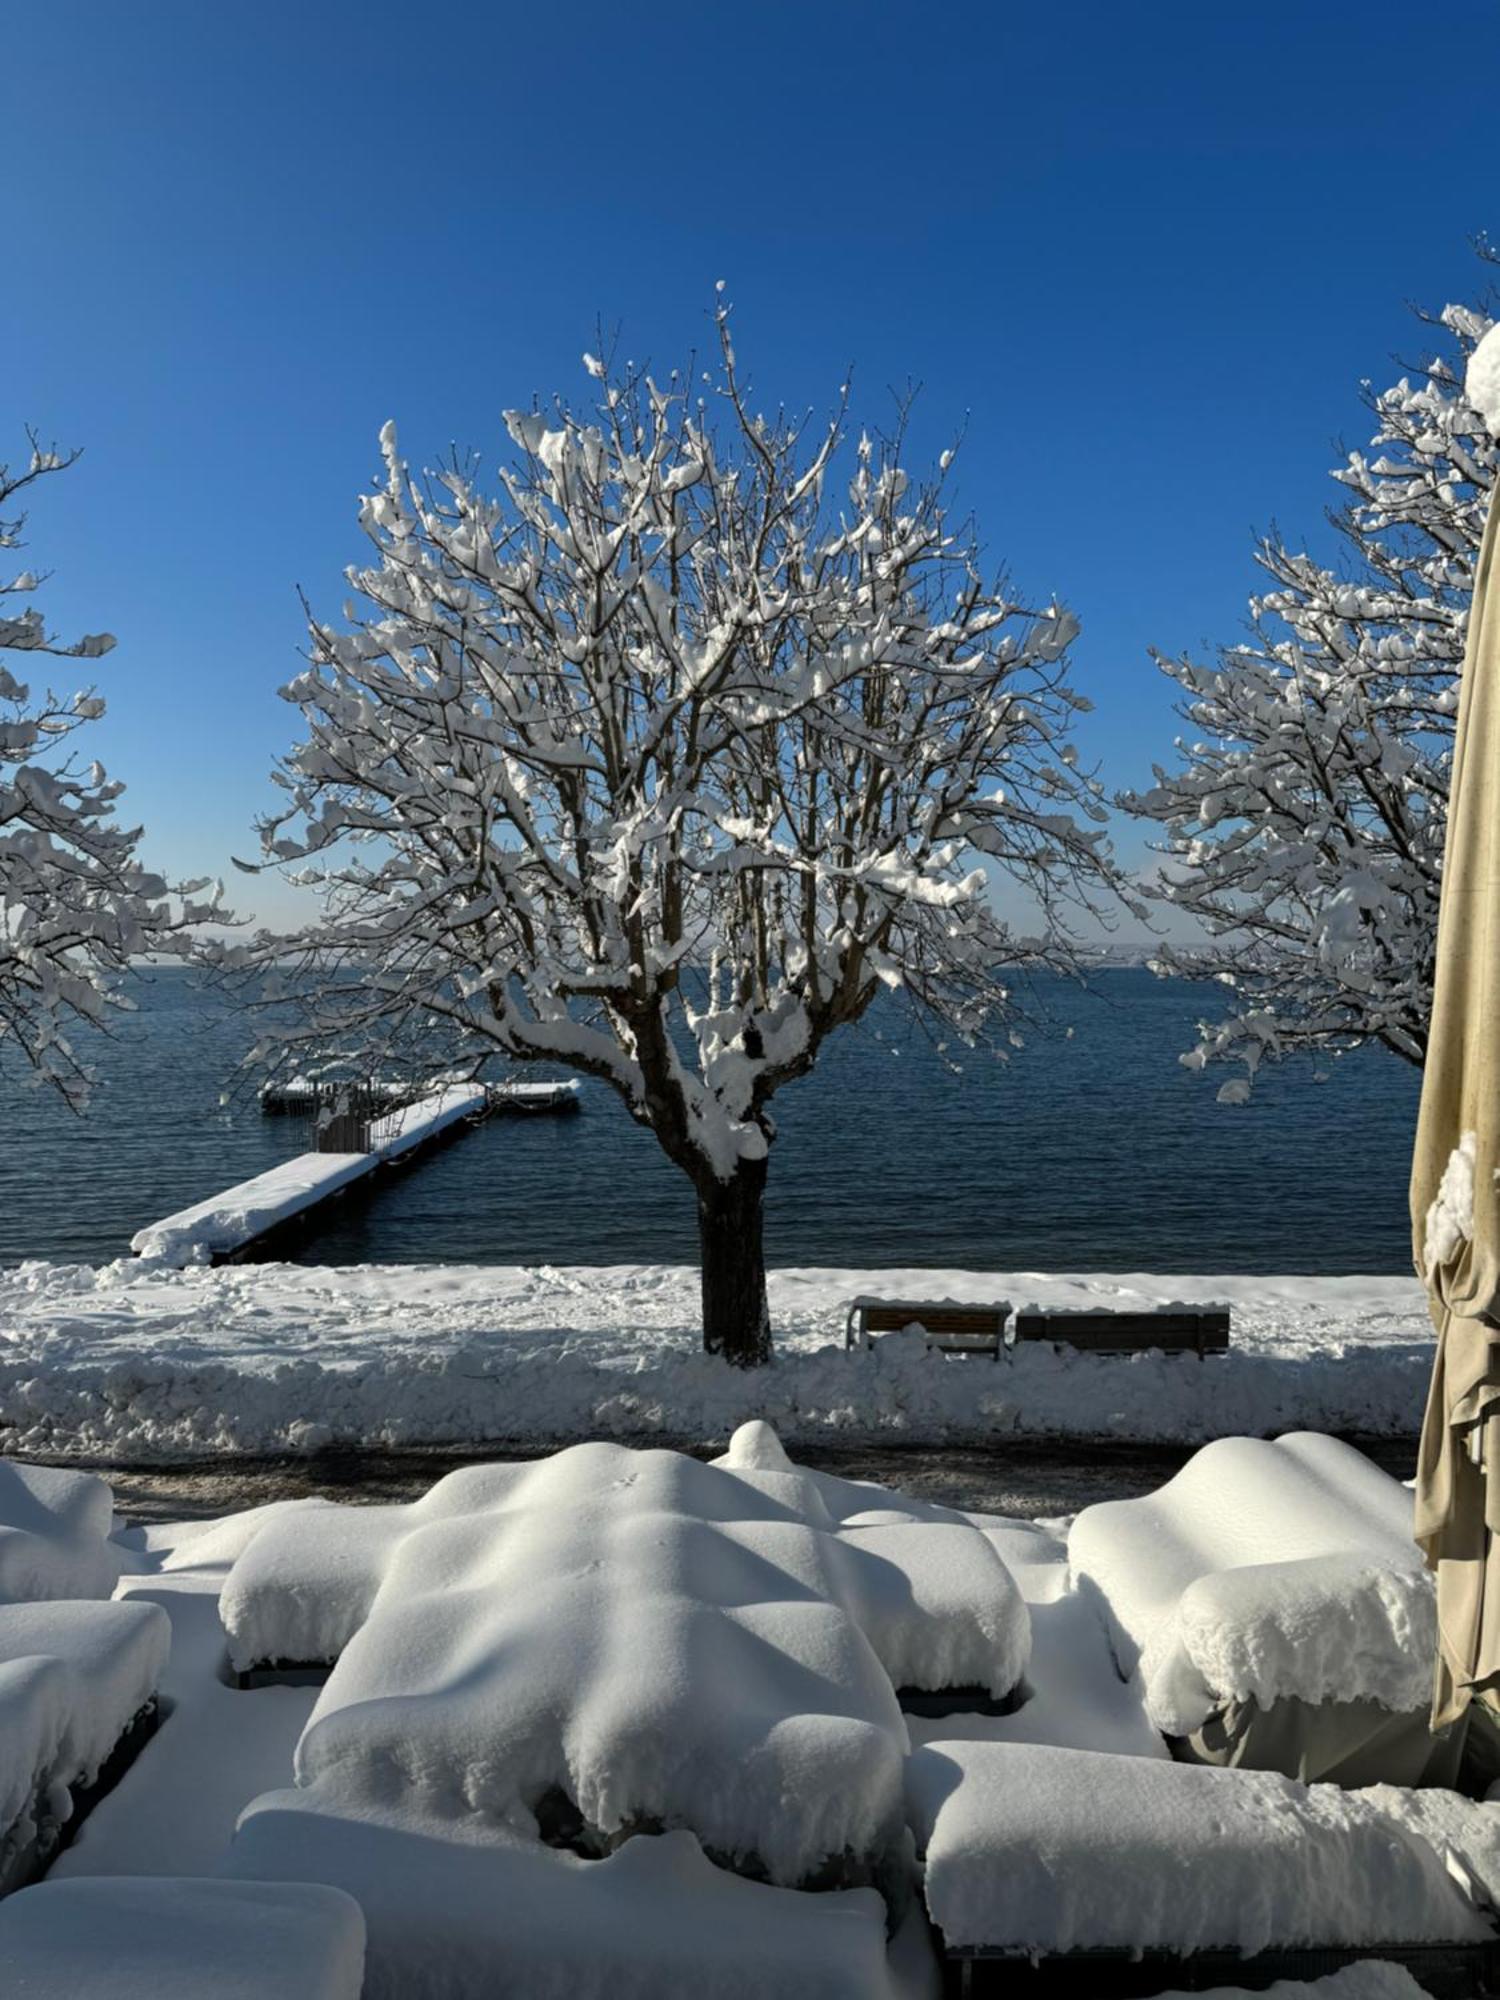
227 1222
76 1679
54 1534
1040 1851
470 1910
165 1938
1260 1571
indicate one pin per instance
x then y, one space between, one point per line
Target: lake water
1091 1153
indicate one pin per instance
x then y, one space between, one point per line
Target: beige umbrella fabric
1455 1201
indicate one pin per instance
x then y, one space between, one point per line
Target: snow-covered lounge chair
460 1909
1083 1872
123 1937
54 1534
1277 1611
77 1700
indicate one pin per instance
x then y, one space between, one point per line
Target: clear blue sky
1146 252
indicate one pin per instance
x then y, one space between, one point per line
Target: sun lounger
1273 1603
77 1701
1063 1871
126 1937
472 1910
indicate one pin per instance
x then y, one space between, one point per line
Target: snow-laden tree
653 760
75 902
1305 818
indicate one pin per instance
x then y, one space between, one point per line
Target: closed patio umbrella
1455 1198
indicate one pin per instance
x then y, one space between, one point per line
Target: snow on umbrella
1455 1197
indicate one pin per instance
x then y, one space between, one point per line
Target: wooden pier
227 1225
300 1096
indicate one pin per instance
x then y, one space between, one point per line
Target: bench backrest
1197 1330
890 1316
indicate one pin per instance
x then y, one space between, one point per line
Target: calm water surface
1098 1152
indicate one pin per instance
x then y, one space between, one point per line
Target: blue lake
1092 1152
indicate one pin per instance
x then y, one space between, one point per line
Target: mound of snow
929 1591
54 1534
1045 1850
938 1605
156 1938
470 1910
643 1638
1263 1570
1366 1979
112 1656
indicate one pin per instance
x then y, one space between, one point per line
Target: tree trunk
736 1320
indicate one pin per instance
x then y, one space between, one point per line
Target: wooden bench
1174 1329
950 1328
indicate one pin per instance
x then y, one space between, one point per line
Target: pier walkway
224 1225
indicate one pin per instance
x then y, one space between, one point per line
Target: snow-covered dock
299 1095
229 1223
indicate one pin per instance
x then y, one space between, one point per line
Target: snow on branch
1304 819
660 751
75 902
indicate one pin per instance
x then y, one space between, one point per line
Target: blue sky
1144 253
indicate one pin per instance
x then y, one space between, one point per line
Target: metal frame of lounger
1445 1971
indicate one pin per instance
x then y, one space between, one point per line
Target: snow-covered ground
142 1361
604 1629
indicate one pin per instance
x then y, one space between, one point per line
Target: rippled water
1097 1152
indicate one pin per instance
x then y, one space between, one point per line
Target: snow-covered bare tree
653 761
75 902
1305 818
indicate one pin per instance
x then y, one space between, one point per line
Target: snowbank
54 1529
141 1361
158 1939
1046 1850
1263 1570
